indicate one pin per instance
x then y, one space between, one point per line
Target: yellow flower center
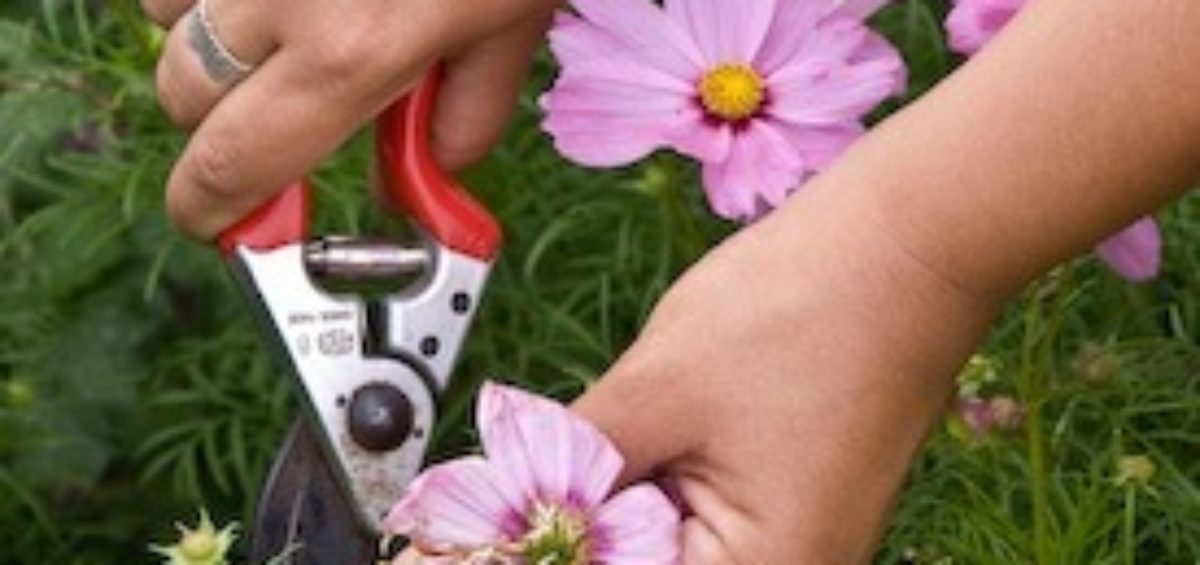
732 91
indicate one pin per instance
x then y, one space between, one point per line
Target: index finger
264 135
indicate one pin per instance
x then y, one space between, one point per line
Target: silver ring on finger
221 64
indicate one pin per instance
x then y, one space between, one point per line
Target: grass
133 387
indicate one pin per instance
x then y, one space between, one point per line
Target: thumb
650 414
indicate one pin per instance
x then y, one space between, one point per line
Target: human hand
321 69
785 382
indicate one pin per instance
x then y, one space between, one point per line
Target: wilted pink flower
763 92
1007 413
976 414
542 493
1134 252
982 416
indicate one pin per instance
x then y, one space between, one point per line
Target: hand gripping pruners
369 370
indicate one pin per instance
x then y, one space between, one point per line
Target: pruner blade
303 516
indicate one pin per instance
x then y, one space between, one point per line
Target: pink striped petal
609 108
699 137
833 98
727 32
551 454
877 48
839 90
973 23
820 146
1134 252
574 39
761 170
854 9
639 525
456 505
605 124
644 33
789 31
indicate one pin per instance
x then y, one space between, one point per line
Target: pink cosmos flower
763 92
542 493
1134 252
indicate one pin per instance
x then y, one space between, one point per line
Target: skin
323 71
787 420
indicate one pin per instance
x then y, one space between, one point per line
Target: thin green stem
1040 486
1043 321
1129 535
1030 385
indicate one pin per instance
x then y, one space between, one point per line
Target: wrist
902 331
925 311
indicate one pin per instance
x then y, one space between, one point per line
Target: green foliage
134 389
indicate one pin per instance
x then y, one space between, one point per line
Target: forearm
1078 119
1082 117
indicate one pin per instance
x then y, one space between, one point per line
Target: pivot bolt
380 417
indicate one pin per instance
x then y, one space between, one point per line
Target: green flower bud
19 393
202 545
1136 470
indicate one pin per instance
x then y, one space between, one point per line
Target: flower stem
682 220
1043 318
1129 535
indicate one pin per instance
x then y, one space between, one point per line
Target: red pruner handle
414 182
282 220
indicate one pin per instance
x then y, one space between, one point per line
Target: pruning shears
370 370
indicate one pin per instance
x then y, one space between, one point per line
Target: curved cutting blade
303 517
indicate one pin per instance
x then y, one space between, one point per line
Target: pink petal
585 50
574 39
645 34
854 9
842 77
791 27
726 31
1134 252
547 451
458 504
699 137
972 23
833 98
877 47
761 170
605 124
639 525
820 146
976 414
610 106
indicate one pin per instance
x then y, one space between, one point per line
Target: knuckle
213 170
348 57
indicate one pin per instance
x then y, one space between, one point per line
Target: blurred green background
134 389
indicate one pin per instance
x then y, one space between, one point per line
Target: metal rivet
429 346
460 303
